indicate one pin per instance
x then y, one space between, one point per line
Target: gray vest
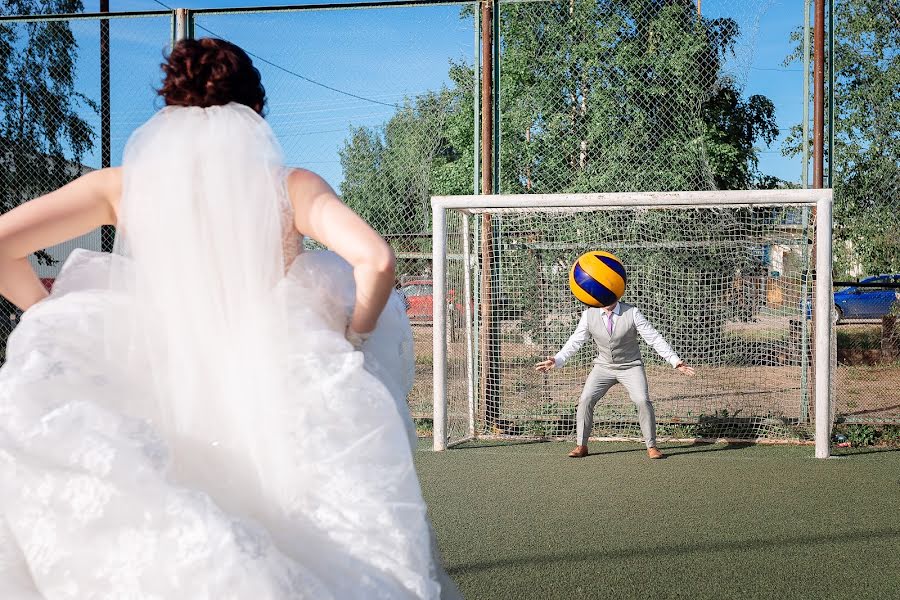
620 350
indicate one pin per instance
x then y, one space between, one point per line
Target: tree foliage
391 173
624 96
866 160
43 136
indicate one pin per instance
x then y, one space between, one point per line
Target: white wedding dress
184 418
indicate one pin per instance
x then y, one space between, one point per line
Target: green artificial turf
710 521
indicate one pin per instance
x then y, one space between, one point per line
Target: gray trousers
598 383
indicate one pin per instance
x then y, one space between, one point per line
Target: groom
615 329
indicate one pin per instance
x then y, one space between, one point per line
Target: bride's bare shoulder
311 196
304 185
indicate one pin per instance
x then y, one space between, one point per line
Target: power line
777 69
304 77
294 73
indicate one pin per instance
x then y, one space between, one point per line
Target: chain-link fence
591 96
866 180
73 90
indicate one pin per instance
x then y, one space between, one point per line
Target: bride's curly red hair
211 72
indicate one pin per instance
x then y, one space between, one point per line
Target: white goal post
740 265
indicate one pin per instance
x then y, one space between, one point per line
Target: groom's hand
546 365
685 369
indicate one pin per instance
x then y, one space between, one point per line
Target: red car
419 294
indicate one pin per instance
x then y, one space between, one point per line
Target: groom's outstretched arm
575 341
654 339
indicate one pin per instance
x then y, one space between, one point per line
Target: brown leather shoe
579 452
653 452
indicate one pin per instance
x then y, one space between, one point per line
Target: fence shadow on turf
598 555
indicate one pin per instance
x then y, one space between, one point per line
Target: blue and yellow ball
597 278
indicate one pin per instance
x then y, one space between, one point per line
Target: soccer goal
738 282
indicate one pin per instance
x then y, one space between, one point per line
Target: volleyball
597 278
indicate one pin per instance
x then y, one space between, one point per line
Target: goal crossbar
474 204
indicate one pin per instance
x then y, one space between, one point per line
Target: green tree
623 96
43 136
425 148
866 160
733 126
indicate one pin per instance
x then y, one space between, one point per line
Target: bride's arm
320 214
71 211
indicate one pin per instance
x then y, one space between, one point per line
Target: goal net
727 277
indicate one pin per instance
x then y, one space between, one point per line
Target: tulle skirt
98 500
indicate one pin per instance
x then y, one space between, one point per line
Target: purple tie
609 323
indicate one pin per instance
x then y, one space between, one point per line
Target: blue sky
383 56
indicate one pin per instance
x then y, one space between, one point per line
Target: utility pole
819 95
489 337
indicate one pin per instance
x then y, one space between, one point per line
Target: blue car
856 302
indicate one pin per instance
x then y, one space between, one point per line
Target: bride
209 411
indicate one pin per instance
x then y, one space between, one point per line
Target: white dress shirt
643 326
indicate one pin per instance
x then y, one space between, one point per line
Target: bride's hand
356 338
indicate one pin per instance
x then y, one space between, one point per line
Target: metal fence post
107 232
184 25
